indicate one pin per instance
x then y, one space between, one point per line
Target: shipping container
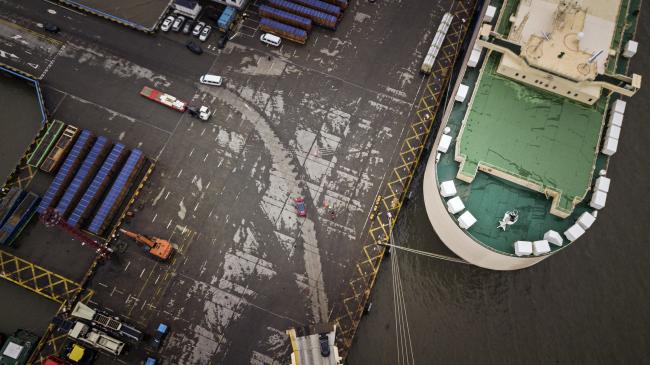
17 221
61 148
67 171
227 18
84 175
285 17
91 196
321 6
285 31
117 193
318 17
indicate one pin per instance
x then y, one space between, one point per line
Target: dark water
589 304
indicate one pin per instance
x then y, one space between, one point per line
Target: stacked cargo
66 173
84 175
94 192
117 192
321 6
318 17
286 31
343 4
285 17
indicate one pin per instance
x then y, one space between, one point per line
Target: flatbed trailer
163 98
60 149
17 221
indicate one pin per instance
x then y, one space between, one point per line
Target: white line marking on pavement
131 119
127 265
169 224
179 173
63 7
142 273
206 157
191 152
154 218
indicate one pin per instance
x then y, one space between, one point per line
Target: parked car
208 79
223 40
271 39
178 23
187 28
195 48
159 336
323 339
197 28
167 24
53 360
205 33
52 28
300 206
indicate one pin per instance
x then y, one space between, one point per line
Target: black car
324 344
195 48
187 28
223 40
52 28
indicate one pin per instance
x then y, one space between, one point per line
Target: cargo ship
518 169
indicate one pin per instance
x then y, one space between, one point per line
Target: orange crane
157 247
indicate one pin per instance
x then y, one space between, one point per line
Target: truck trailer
163 98
96 338
111 324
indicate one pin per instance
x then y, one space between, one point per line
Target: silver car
197 28
205 33
167 23
178 23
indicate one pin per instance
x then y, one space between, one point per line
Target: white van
271 39
211 80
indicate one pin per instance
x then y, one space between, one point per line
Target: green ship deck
533 142
530 137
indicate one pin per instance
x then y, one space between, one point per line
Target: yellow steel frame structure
37 278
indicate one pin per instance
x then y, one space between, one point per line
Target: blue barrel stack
286 18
